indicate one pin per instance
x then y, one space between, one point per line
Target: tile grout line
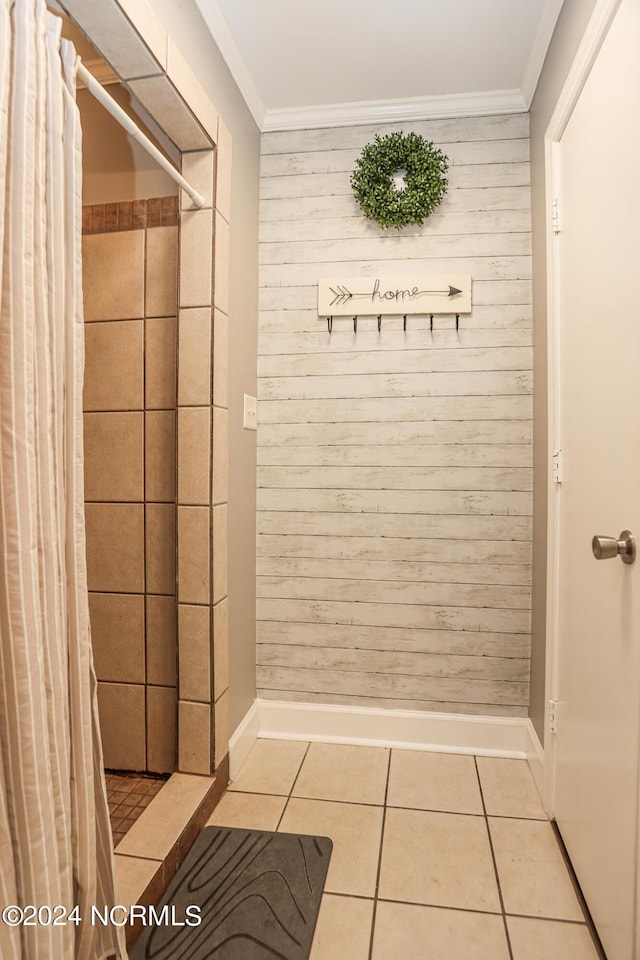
376 898
382 827
495 864
290 794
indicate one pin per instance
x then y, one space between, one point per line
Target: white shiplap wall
394 500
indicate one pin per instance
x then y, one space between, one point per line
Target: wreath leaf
425 179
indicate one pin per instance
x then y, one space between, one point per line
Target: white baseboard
406 729
243 738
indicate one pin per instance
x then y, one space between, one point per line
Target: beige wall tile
113 456
113 365
115 547
194 539
405 930
154 834
195 653
250 811
117 634
221 265
162 729
161 637
198 169
160 456
122 47
162 272
434 781
194 356
182 76
441 859
220 647
160 363
195 258
337 771
149 27
271 767
113 275
159 96
223 171
194 737
160 537
194 455
220 477
220 359
221 728
122 724
220 553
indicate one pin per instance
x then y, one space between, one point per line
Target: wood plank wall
394 500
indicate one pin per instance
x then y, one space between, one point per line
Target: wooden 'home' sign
410 295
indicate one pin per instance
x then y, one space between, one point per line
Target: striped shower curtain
55 837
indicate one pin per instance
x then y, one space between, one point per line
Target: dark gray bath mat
258 895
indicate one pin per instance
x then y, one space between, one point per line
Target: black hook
404 322
355 324
379 322
431 322
457 320
329 324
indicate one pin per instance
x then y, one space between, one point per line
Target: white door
598 316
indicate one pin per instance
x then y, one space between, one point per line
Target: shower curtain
55 836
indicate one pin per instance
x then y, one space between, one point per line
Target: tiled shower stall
130 286
156 439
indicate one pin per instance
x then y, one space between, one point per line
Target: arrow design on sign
341 295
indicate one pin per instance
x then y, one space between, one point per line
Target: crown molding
544 31
485 103
219 29
358 113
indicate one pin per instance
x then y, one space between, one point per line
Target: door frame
597 29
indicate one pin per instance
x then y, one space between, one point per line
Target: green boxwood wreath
425 180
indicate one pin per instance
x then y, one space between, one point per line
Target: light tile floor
435 856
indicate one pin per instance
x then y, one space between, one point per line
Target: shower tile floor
129 794
435 856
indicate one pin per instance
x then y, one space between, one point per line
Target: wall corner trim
217 24
535 756
487 736
544 32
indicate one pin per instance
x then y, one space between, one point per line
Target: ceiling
350 61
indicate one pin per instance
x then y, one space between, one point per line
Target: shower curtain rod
116 111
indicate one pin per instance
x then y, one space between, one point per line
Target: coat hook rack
403 296
379 321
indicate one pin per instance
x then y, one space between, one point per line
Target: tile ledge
204 803
173 792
